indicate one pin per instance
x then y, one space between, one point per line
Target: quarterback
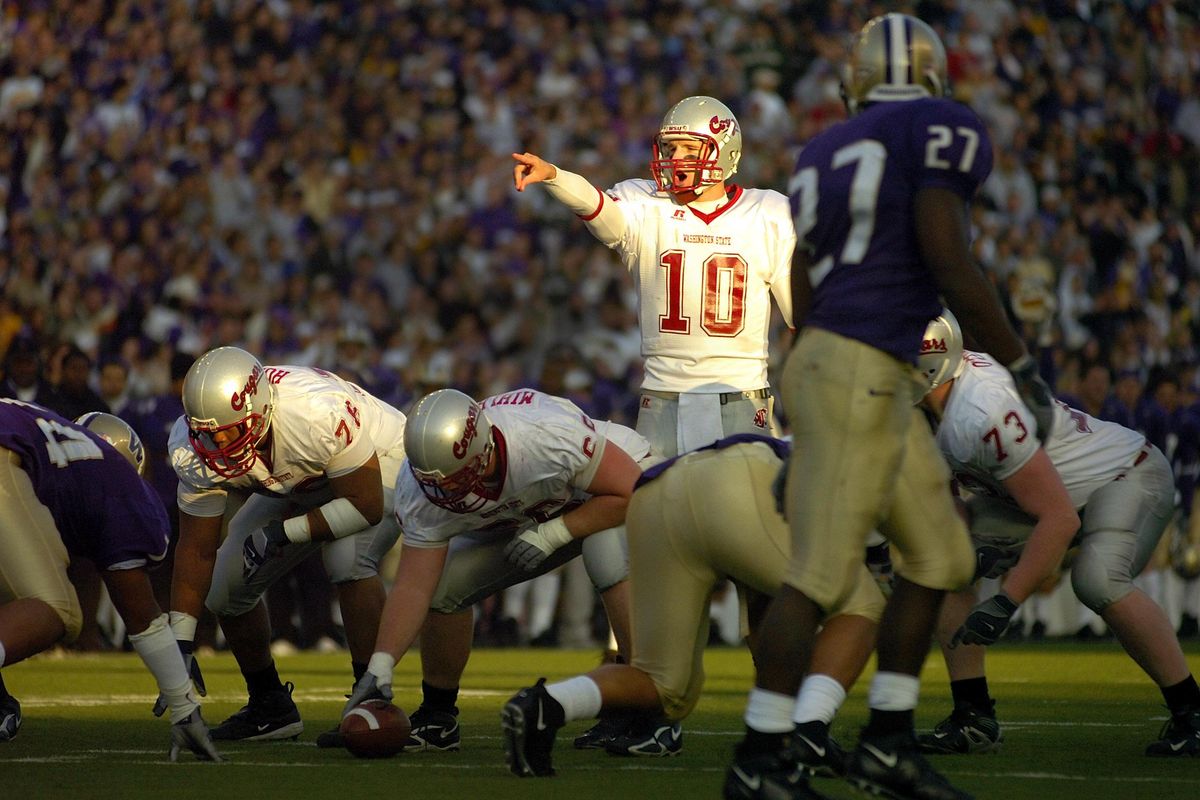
1026 508
495 493
318 458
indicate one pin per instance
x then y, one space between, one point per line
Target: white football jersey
321 427
705 283
987 434
551 449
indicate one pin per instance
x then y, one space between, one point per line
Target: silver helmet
895 57
116 432
708 121
449 442
228 401
941 356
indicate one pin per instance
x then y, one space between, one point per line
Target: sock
264 681
972 692
579 697
819 699
769 712
893 699
883 723
1182 697
359 668
439 699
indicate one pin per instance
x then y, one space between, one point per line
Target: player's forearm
403 615
1042 555
598 212
598 513
191 578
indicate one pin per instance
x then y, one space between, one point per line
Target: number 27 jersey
853 194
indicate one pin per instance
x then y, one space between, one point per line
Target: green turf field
1076 719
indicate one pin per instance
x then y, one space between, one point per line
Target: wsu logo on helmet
934 346
238 401
469 431
718 125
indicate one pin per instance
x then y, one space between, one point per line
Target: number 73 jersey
705 282
853 195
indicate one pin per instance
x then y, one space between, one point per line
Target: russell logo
469 431
238 401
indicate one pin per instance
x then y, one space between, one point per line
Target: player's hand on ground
531 169
191 733
987 622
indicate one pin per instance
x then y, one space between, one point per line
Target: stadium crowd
328 183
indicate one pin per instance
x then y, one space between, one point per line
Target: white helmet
895 57
941 356
449 443
712 123
228 402
116 432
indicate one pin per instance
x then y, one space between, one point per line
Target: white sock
769 712
579 697
819 699
893 691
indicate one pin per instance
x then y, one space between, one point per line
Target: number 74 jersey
705 282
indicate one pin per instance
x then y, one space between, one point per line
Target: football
375 729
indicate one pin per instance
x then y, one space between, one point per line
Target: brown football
375 729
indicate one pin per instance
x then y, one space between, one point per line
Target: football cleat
604 731
270 715
892 766
648 737
767 776
1179 737
529 723
966 730
818 756
10 718
331 738
433 730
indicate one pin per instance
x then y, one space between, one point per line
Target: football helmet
895 57
941 356
708 121
449 443
228 402
116 432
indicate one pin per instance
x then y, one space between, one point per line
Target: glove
1035 393
191 733
368 688
994 559
193 670
987 622
529 549
879 561
779 489
262 545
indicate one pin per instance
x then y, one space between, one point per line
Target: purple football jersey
852 197
103 510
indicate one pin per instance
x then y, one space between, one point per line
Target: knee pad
1097 576
606 557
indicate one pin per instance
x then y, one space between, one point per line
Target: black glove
879 561
994 559
262 545
191 733
1035 393
193 668
987 622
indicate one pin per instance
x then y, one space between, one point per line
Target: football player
1027 500
318 457
496 493
880 204
73 490
693 521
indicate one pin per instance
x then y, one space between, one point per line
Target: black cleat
433 730
767 776
966 730
892 766
529 723
271 715
10 718
648 737
604 731
1179 737
331 738
819 756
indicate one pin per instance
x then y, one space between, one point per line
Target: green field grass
1076 718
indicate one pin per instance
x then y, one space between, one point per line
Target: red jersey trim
734 194
595 213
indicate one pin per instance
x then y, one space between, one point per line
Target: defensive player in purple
69 492
880 204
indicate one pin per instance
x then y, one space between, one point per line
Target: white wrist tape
381 666
555 533
342 517
297 529
158 649
183 625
